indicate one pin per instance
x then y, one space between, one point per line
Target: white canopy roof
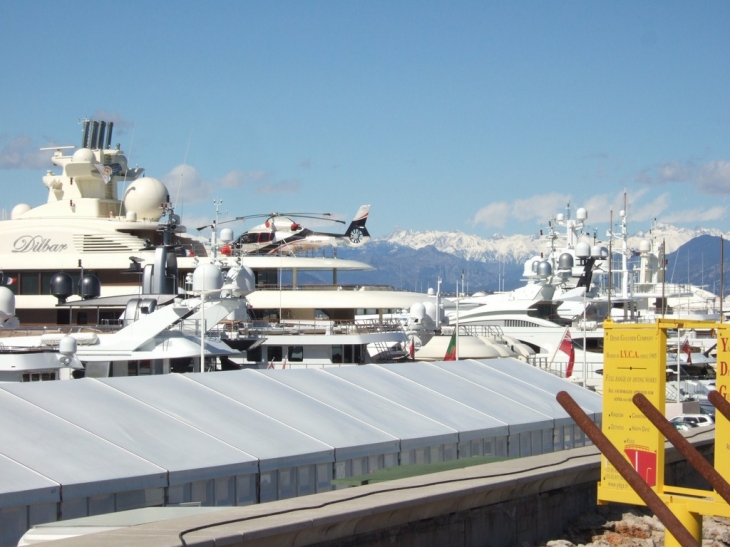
97 436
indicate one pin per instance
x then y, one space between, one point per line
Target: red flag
566 346
451 350
686 349
412 350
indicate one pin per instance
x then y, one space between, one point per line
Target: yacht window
181 364
253 355
336 354
46 282
30 283
296 354
274 353
593 344
348 354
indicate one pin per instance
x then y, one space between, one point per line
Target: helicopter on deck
281 234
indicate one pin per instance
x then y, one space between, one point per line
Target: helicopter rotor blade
316 216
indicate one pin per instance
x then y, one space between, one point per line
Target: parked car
695 420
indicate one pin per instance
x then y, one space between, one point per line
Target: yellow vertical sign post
635 361
722 384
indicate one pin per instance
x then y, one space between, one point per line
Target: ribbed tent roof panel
22 486
415 430
533 379
477 391
350 436
136 427
274 443
83 463
502 386
409 392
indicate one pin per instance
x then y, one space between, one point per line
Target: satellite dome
560 217
207 277
226 235
240 281
599 251
62 286
430 291
67 346
19 210
7 303
145 197
418 311
431 310
90 286
544 269
565 261
84 155
582 250
581 214
645 246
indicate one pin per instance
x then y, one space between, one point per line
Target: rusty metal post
720 403
708 472
622 465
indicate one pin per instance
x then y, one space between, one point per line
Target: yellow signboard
635 358
634 362
722 382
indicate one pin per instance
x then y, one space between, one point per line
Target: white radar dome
581 214
207 277
418 311
226 235
645 246
431 310
84 155
238 281
145 197
582 249
599 251
67 346
19 210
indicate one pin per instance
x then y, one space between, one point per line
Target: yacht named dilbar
106 217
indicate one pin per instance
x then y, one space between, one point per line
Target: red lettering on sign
723 368
724 344
722 390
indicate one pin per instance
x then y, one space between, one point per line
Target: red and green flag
451 350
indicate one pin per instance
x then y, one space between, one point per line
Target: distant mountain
414 260
698 262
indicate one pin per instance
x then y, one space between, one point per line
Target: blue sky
484 117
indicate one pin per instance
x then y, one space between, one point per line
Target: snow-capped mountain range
519 248
413 260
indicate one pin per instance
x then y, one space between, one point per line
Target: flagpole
456 349
585 350
678 369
